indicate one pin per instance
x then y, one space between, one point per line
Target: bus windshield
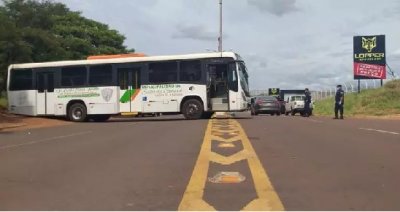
244 78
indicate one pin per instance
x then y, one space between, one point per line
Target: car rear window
267 98
298 98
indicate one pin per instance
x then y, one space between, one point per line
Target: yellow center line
267 198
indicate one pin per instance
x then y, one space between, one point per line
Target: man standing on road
339 102
307 102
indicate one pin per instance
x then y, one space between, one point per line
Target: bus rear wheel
192 109
77 112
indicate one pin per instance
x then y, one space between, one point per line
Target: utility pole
220 27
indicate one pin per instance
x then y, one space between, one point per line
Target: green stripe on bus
127 96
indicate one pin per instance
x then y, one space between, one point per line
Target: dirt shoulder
11 122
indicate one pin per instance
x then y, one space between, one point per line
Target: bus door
235 96
45 96
129 84
218 92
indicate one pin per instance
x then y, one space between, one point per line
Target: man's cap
339 86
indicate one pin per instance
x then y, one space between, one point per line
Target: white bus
195 85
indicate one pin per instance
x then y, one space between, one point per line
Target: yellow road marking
193 197
226 145
267 198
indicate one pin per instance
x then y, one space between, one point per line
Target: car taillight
258 102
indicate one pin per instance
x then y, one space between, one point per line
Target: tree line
41 31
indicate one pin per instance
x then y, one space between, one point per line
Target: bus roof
113 56
123 60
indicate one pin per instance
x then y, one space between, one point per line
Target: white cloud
195 32
275 7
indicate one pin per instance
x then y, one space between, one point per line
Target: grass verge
374 102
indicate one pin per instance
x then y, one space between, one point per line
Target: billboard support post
359 86
381 82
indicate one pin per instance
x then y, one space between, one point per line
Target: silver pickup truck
295 104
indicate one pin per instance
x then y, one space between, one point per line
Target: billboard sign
369 57
273 91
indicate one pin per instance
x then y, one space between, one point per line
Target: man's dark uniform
307 102
339 102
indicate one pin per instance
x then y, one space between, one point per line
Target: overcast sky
285 43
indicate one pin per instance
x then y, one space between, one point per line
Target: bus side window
190 71
73 76
21 80
163 72
100 75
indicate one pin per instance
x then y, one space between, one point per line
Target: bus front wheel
77 112
192 109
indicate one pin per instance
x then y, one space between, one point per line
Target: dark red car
265 105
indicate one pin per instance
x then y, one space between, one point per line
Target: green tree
39 31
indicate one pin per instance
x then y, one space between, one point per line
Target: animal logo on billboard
107 94
369 43
273 91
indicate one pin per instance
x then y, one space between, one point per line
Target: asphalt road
168 163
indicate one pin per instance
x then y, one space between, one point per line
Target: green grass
375 102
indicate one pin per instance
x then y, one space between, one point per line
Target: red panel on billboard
370 71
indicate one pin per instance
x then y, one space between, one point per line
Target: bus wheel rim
193 109
77 114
